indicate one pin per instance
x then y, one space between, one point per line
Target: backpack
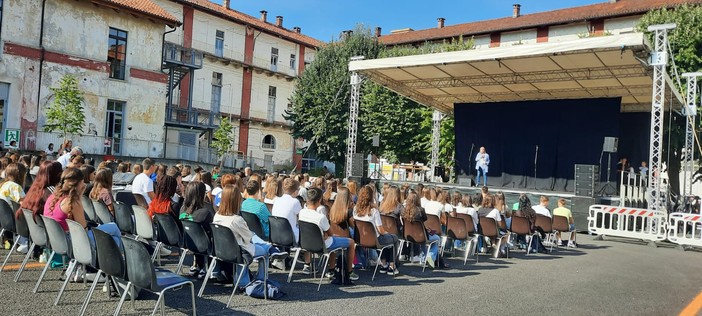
255 289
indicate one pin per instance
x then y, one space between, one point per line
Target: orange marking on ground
15 267
694 307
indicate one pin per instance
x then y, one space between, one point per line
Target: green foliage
223 138
320 104
65 114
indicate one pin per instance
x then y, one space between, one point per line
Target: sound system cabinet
586 179
358 165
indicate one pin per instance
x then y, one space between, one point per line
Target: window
274 59
216 92
117 53
271 103
293 61
114 123
268 142
219 44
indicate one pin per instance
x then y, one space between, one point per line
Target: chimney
440 23
378 31
613 1
279 21
346 34
516 10
225 3
297 29
264 15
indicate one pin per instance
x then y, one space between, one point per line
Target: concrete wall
262 53
282 154
259 96
232 80
518 38
205 27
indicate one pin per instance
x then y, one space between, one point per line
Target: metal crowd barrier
636 223
685 229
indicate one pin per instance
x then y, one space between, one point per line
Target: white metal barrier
626 222
685 229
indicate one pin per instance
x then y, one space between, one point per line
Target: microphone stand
470 159
536 159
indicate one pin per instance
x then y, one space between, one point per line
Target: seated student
102 189
489 201
561 210
466 207
365 211
413 212
391 204
252 205
273 190
433 206
542 208
252 245
310 215
196 209
526 210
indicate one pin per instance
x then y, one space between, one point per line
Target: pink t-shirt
56 213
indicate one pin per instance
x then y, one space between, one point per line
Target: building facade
113 48
249 71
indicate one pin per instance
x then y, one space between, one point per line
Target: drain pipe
41 61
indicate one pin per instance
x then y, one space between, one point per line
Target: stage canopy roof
606 66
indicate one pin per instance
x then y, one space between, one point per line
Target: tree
65 114
222 140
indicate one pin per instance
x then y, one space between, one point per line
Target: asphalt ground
609 277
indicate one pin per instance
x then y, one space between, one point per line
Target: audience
252 205
142 184
365 211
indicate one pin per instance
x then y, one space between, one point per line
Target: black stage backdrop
567 132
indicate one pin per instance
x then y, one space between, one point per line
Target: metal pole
435 138
353 121
690 111
659 60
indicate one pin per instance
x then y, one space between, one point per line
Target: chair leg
90 293
124 297
469 246
426 255
210 270
43 272
265 277
236 285
292 267
380 255
399 251
30 251
325 260
71 267
158 303
180 261
14 246
156 251
192 294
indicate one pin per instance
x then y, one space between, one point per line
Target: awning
605 66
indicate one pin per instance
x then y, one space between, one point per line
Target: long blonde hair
390 201
230 203
365 201
411 206
339 212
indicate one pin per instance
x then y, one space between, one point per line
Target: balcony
176 55
190 117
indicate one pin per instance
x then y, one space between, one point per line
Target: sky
325 19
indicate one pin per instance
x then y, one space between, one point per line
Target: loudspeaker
465 180
610 144
358 165
376 141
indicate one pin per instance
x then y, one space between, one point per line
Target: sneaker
416 259
193 271
329 274
42 258
278 264
383 269
22 248
392 271
372 263
560 243
201 274
402 258
7 245
164 251
430 261
306 269
277 254
571 244
353 276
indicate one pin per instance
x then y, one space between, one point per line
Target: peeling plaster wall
282 154
232 81
76 34
262 53
259 96
205 29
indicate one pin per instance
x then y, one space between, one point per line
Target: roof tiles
146 7
568 15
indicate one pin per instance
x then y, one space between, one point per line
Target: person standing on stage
482 160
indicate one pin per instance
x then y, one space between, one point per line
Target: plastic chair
282 236
196 240
102 212
254 223
110 262
89 209
125 197
456 230
369 239
416 233
140 200
560 224
392 226
312 241
169 233
545 225
38 237
83 252
490 230
269 206
59 246
472 233
520 226
338 231
142 274
144 226
7 222
226 249
433 222
124 218
22 230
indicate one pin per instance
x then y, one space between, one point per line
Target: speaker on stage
465 180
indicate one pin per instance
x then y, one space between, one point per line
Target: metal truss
398 87
690 111
435 138
628 71
542 94
353 121
659 60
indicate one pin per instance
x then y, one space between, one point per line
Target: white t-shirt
540 209
470 211
423 202
64 160
434 208
374 218
216 191
323 210
494 214
142 184
288 207
270 201
448 208
310 216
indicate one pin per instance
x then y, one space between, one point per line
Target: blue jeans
477 178
262 248
111 229
434 249
338 242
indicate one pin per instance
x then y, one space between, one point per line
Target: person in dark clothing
196 209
